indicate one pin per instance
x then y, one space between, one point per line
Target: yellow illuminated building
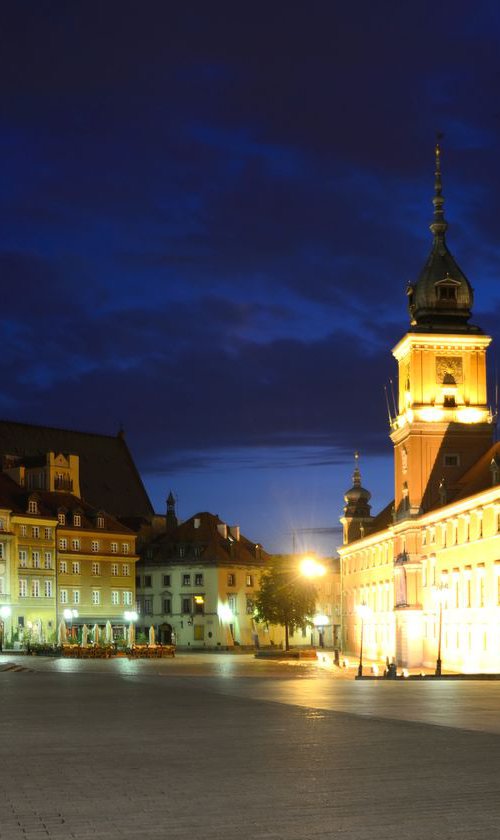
58 555
27 567
428 566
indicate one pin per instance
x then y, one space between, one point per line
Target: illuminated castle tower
443 423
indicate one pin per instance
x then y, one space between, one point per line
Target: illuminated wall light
470 415
431 414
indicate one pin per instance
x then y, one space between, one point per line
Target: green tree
285 598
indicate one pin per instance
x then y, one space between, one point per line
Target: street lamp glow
320 620
130 615
364 611
5 612
310 568
70 614
225 612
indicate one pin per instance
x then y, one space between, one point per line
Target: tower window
447 292
451 460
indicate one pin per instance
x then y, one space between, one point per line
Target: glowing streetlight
309 567
5 612
69 615
364 611
225 612
440 594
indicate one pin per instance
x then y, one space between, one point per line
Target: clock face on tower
449 367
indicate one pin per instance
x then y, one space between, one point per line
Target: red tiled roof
202 530
479 476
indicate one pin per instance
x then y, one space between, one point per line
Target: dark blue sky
209 215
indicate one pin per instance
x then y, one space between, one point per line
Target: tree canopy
285 597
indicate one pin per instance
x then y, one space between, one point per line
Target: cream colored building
428 566
197 583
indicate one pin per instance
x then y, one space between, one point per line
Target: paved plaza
220 746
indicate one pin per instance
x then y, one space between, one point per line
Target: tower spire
439 225
356 476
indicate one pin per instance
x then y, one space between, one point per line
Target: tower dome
442 297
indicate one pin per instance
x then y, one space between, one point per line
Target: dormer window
32 506
77 520
61 518
446 290
100 521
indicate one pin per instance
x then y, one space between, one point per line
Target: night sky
210 212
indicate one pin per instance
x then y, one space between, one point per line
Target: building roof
15 498
479 476
383 519
215 543
109 479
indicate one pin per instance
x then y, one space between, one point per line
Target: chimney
197 522
222 529
234 530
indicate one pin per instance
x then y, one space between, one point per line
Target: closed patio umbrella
85 635
62 633
131 634
96 634
152 640
109 633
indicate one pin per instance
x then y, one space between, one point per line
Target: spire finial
356 476
439 225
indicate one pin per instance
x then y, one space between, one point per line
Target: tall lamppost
311 569
440 594
363 611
